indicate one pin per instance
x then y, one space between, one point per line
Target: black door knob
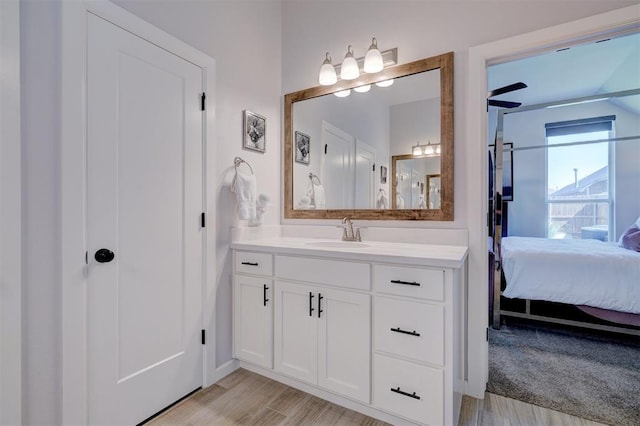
104 255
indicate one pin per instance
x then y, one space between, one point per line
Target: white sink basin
337 244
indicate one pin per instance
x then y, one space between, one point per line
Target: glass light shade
438 149
363 89
428 150
417 150
343 93
327 75
385 83
349 68
373 59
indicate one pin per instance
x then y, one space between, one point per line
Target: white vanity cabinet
253 308
380 331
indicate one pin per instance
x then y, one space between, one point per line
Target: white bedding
578 272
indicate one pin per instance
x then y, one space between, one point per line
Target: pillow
631 238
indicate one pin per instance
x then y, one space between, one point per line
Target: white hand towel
245 188
319 198
382 202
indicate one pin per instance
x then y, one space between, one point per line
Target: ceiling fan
501 90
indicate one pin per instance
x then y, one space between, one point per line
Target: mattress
578 272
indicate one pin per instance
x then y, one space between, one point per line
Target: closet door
144 192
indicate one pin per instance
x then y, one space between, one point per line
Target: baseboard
225 369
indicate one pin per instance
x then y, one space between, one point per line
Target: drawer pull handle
405 282
264 294
399 330
311 304
320 311
410 395
250 263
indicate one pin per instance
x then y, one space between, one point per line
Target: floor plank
246 398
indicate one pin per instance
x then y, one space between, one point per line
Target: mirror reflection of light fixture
385 83
327 75
363 89
417 150
349 69
428 149
373 59
343 93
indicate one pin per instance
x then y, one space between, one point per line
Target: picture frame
303 148
254 132
507 171
383 174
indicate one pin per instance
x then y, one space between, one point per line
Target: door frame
10 217
479 58
73 192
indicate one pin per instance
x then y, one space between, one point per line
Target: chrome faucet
348 234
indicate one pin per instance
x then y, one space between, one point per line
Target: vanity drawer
419 329
325 271
410 282
247 262
409 390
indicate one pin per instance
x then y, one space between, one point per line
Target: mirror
337 150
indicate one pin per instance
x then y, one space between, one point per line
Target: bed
601 277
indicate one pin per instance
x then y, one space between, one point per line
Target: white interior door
365 185
337 167
144 201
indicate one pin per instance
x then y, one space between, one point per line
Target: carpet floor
593 376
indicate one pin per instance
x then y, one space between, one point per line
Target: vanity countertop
377 251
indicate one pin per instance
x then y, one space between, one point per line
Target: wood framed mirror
348 140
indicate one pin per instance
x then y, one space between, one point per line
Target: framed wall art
255 131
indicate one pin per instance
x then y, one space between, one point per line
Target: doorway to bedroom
569 123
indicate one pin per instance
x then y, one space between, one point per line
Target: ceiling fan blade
503 104
506 89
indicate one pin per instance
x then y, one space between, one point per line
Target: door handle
320 311
104 255
264 294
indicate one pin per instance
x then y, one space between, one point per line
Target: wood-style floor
246 398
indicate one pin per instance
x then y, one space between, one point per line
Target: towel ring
237 162
314 179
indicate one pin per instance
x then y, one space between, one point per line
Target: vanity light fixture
343 93
362 89
350 69
327 75
416 150
429 149
373 59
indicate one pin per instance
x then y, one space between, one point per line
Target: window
579 200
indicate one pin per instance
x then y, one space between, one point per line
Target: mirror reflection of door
433 191
365 182
337 167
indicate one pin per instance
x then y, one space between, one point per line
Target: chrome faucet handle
358 237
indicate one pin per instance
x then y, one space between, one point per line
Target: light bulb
438 149
428 150
373 59
363 89
343 93
327 75
349 69
385 83
417 150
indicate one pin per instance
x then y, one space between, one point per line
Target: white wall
527 213
414 122
262 50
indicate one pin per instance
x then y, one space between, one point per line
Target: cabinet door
344 343
253 320
296 332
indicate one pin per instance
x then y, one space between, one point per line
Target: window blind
583 125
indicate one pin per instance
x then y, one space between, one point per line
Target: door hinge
487 334
203 102
202 220
203 336
325 149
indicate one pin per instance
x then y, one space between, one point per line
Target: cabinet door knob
104 255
